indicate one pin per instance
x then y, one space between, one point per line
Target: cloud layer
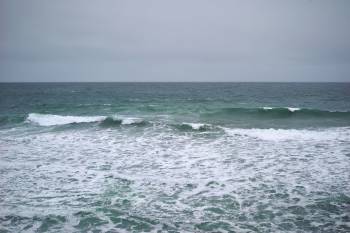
164 40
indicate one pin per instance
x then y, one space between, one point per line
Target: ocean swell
277 112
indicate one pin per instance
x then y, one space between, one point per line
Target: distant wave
288 108
278 112
52 120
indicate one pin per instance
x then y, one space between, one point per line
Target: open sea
175 157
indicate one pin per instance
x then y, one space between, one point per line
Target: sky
175 40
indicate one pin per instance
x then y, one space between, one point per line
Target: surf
194 126
52 120
279 135
56 120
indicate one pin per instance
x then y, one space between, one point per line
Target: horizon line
174 82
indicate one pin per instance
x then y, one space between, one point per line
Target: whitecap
267 108
131 120
289 108
126 120
293 109
196 126
50 120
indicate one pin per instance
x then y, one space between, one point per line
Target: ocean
175 157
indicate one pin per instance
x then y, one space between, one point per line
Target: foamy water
53 120
50 120
159 179
174 158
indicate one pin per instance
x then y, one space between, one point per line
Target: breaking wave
194 126
289 109
52 120
264 117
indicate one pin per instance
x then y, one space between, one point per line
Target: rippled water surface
174 157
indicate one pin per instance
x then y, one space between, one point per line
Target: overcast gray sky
175 40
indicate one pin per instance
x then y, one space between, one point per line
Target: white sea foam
131 120
293 109
289 108
267 108
290 134
50 120
196 126
164 174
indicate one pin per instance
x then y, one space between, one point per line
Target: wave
278 112
288 108
131 121
263 117
53 120
194 126
115 121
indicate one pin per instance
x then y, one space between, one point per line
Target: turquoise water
175 157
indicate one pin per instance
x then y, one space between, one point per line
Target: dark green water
176 157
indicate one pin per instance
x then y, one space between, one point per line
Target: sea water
175 157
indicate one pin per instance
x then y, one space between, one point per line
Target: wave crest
52 120
194 126
287 108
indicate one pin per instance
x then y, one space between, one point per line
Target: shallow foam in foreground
341 133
